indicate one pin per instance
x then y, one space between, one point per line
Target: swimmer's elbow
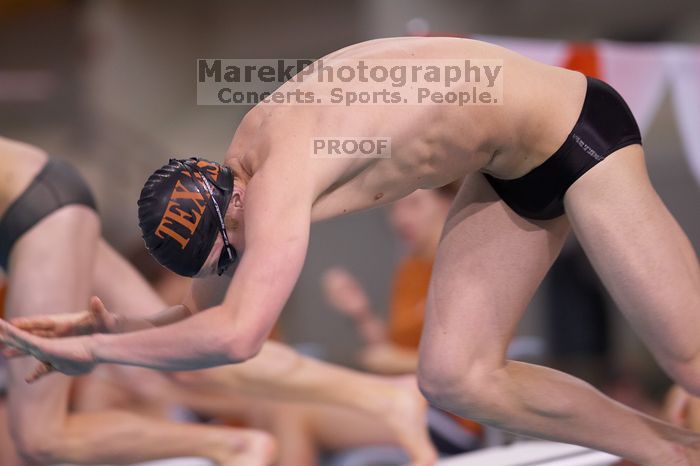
234 340
243 347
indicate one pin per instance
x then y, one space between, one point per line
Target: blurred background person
391 345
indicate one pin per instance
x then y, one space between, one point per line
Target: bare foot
252 448
406 415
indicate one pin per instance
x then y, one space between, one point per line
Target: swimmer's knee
445 386
34 454
35 447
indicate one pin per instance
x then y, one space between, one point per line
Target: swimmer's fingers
19 340
57 325
5 333
41 370
6 349
40 325
72 356
8 352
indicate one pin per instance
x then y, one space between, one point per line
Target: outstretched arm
278 204
276 228
97 319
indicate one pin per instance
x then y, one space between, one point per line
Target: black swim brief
605 125
57 185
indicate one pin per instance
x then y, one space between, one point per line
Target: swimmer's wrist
103 348
96 343
124 324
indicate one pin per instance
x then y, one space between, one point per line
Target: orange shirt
407 304
407 311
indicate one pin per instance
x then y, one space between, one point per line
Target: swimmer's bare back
431 145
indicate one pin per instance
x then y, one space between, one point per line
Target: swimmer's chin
209 268
203 273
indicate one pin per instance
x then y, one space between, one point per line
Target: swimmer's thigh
488 266
642 255
50 272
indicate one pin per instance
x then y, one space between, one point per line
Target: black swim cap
177 222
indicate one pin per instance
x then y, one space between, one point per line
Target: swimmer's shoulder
261 129
246 138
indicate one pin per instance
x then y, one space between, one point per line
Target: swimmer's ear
237 200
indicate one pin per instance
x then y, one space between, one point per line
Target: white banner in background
641 73
683 70
637 72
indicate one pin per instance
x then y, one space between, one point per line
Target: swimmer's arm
277 221
165 317
97 319
204 293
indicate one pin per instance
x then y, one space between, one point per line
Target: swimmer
560 152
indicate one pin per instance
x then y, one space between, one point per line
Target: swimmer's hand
71 356
345 293
97 319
